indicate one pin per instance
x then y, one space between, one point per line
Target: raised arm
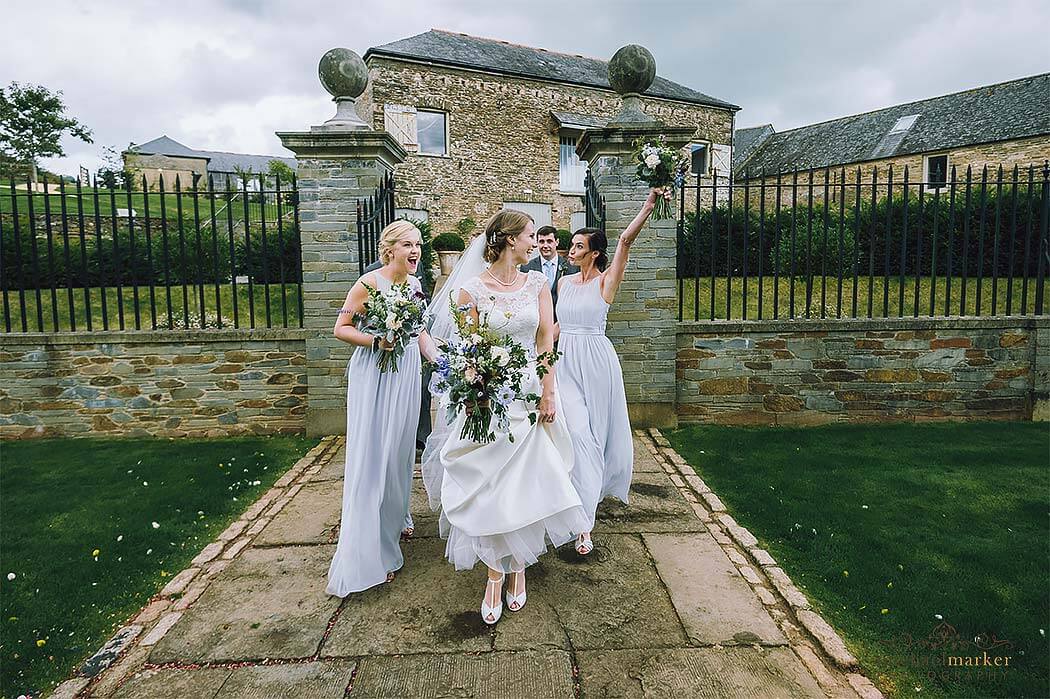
613 275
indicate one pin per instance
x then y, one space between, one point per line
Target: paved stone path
660 608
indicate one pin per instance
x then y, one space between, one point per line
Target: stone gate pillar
339 162
643 321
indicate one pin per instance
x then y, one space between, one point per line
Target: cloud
225 75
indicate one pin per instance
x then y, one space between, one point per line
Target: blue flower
505 395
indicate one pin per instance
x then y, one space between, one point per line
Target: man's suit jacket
563 268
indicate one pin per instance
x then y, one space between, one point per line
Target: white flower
475 339
501 355
120 538
652 160
393 322
156 526
11 576
145 483
938 617
470 375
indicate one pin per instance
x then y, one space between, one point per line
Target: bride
502 501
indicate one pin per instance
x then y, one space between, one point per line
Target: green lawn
64 499
106 206
160 293
892 531
688 289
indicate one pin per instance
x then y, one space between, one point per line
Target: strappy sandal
584 545
516 602
494 612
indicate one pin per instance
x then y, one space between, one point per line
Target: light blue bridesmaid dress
382 413
590 381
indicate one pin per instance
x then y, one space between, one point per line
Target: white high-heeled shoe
494 612
584 545
516 602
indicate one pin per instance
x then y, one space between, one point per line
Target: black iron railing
374 213
846 244
594 203
76 256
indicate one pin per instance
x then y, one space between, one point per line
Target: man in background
553 265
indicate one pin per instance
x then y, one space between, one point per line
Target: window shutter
400 121
721 158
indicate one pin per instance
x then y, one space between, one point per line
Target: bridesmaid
589 372
382 411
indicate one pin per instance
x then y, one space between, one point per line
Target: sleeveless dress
591 384
382 412
503 501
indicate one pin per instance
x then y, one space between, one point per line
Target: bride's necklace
512 282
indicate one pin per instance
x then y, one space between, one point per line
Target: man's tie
549 270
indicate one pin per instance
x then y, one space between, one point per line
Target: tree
113 174
279 168
32 122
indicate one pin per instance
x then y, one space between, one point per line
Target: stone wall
642 321
502 139
1020 152
815 372
170 384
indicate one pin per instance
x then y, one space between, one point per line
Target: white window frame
532 208
926 170
419 148
578 169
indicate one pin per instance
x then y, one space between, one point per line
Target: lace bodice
516 313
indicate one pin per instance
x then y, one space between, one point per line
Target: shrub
426 257
812 252
465 226
564 239
449 242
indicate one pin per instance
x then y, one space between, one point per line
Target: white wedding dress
502 502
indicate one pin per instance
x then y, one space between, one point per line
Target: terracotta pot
448 259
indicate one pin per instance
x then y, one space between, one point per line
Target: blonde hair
390 235
501 228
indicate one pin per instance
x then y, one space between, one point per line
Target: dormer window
904 123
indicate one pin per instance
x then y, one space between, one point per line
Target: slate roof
746 141
1002 112
587 121
463 50
218 161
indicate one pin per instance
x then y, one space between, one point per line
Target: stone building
168 158
491 125
1005 124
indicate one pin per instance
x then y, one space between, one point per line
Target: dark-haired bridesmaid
589 373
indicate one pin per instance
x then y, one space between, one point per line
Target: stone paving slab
174 684
317 680
738 672
429 607
521 675
656 505
713 600
311 517
643 460
613 598
269 603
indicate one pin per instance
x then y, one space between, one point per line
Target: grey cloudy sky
226 75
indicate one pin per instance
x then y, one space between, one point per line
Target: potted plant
449 247
564 242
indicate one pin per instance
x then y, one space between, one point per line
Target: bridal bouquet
482 373
660 166
397 315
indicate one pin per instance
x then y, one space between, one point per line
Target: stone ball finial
632 69
343 73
